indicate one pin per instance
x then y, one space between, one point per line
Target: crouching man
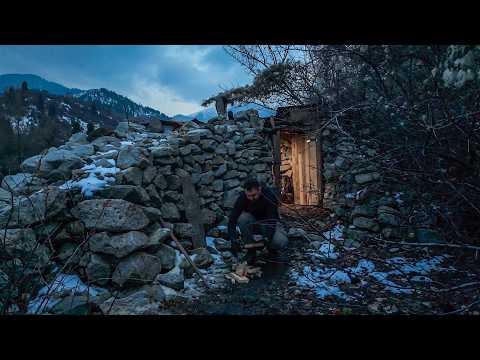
256 212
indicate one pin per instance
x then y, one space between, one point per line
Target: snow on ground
214 274
336 233
401 276
62 286
24 123
324 281
93 182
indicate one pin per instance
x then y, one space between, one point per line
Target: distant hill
209 113
106 100
34 82
117 103
180 117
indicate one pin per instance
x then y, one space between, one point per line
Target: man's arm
233 218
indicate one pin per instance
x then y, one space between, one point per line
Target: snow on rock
62 286
92 183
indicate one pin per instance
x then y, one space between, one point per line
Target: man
256 211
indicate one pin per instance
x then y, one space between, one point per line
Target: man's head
253 190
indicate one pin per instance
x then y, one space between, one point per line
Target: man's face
253 194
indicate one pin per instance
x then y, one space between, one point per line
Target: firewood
254 245
240 279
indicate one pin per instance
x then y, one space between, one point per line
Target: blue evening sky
171 78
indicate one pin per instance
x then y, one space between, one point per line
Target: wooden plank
276 155
321 185
295 172
307 185
301 169
254 245
313 178
236 278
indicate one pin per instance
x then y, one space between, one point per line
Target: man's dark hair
251 183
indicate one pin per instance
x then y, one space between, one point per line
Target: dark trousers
270 228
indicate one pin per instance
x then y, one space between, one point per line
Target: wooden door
306 170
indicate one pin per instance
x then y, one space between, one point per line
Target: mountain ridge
101 97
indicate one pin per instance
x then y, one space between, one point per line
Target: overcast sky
171 78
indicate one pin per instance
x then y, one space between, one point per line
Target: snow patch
92 183
62 286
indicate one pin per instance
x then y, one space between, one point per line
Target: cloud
171 78
146 92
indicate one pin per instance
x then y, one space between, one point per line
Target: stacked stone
113 238
356 191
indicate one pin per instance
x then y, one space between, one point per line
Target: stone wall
94 206
357 190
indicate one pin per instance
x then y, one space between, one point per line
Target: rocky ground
373 279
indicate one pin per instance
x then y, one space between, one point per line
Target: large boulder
139 268
32 164
173 279
83 150
118 245
98 270
144 301
131 157
167 256
64 161
78 139
6 196
170 211
133 176
22 243
114 215
131 193
159 236
38 207
105 143
21 183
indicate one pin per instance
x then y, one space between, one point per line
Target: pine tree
90 128
52 110
24 86
76 127
40 102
